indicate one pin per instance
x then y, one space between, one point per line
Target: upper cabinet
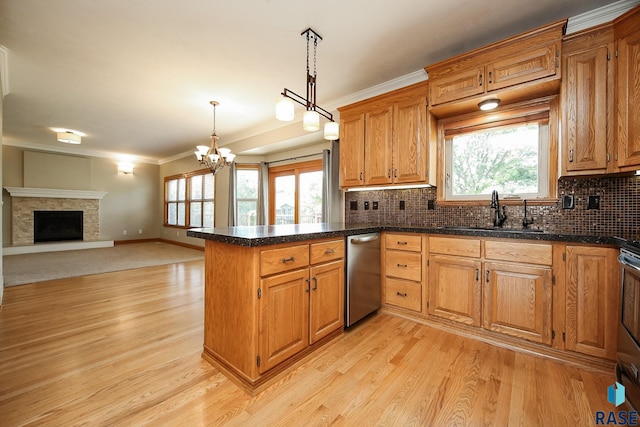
588 102
600 126
387 140
524 66
627 34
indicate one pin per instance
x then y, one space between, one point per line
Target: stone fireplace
25 201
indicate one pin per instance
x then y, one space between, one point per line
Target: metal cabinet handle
477 274
308 282
395 173
480 80
490 77
403 243
570 155
315 284
404 295
286 260
330 251
388 173
402 265
487 276
361 176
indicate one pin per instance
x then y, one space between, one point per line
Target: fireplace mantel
55 193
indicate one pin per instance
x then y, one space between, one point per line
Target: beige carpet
30 268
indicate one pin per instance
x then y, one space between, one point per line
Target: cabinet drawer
457 247
402 293
529 253
403 242
404 265
326 251
283 259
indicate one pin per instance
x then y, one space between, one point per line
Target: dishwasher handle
361 240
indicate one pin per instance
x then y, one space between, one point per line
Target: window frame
290 169
240 167
187 176
503 115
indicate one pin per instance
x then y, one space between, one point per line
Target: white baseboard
55 247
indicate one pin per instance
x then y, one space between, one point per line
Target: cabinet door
352 150
517 301
410 141
284 317
628 91
523 67
327 300
377 147
585 98
456 85
593 295
455 289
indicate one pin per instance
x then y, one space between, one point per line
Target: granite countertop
274 234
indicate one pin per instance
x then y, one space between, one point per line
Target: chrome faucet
500 217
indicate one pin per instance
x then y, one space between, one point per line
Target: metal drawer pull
401 294
286 260
330 251
487 276
402 265
315 284
477 274
403 243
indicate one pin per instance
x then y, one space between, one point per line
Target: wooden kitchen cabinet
265 307
592 300
386 140
455 287
517 300
403 271
627 34
352 150
588 102
527 64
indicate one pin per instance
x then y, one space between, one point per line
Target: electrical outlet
353 205
124 232
375 206
593 202
431 204
140 231
568 201
366 206
401 205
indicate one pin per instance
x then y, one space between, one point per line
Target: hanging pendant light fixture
311 119
213 157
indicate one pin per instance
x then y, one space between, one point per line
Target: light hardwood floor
124 348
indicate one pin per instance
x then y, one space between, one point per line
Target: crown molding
4 69
600 15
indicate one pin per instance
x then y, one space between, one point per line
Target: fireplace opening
55 226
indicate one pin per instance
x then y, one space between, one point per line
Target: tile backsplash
618 215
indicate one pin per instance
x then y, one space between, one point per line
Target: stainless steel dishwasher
363 276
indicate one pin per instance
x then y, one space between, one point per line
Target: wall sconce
125 168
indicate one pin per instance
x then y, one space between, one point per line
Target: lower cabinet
517 301
403 271
267 306
455 289
299 308
592 300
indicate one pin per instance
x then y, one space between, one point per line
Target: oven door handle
628 262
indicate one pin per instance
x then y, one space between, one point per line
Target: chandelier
213 157
311 118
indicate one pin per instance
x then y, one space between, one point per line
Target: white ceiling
137 76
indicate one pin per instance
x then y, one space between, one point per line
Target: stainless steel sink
497 229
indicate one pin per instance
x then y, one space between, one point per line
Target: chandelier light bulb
331 131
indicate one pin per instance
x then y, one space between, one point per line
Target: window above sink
512 150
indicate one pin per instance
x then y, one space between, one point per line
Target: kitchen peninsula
273 294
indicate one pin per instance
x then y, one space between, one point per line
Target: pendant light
311 118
